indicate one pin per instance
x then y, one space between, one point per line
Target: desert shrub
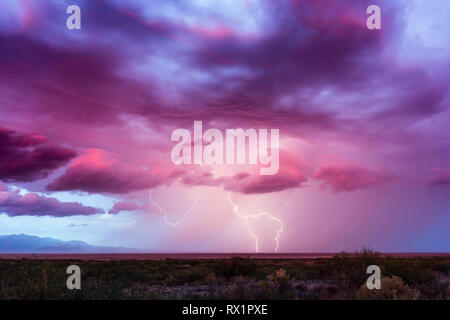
282 282
238 290
340 277
392 288
409 270
437 264
234 267
277 285
211 279
244 289
304 271
351 267
415 273
319 290
183 276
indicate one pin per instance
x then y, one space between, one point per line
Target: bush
282 282
277 286
351 267
183 276
234 267
391 289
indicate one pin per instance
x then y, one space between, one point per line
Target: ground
340 277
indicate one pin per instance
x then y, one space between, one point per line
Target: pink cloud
99 171
248 184
347 178
293 171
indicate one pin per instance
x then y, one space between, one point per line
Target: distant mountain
22 243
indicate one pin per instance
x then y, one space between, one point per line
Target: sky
86 118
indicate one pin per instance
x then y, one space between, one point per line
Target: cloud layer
30 204
26 157
340 178
92 110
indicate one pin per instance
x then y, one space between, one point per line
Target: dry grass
341 277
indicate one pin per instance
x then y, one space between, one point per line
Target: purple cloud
27 157
347 178
439 177
125 206
30 204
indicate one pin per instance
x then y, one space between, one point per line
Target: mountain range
22 243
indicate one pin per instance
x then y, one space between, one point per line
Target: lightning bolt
236 211
256 216
185 215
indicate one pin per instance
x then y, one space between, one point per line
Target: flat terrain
162 256
215 276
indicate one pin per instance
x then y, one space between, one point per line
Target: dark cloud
72 85
304 47
26 157
90 76
312 69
